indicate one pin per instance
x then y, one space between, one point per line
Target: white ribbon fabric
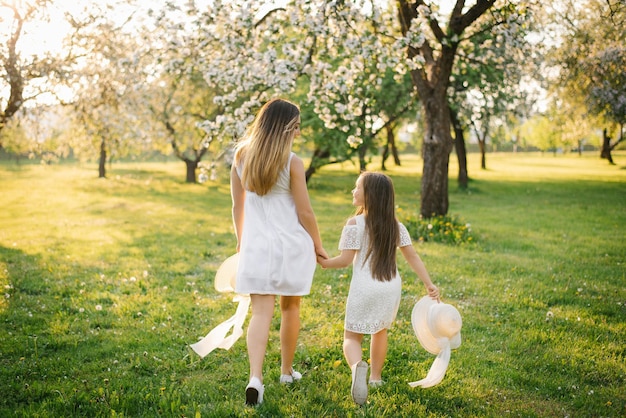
217 337
437 370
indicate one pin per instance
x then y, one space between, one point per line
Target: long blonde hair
379 208
264 150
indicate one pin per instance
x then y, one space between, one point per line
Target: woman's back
277 254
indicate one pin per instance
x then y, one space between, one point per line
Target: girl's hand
433 292
322 261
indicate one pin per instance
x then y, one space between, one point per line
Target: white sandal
290 378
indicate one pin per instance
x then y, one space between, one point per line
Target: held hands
322 261
322 255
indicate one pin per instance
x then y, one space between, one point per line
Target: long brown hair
266 145
379 208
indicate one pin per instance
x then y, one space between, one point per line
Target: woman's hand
321 252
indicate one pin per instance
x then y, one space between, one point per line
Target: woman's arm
238 194
417 265
303 204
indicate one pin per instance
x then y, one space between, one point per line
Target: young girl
369 241
277 235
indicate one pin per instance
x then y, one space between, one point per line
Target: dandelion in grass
133 279
81 310
98 307
549 315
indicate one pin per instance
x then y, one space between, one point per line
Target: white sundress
372 305
277 255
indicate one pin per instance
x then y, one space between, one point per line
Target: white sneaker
254 392
290 378
359 382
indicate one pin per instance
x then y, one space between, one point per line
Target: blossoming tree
19 74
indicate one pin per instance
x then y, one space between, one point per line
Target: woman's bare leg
289 330
258 332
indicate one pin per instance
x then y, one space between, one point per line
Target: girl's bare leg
378 353
352 349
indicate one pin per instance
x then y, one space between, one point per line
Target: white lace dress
277 255
372 305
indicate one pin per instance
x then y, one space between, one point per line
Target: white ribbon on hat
438 369
217 337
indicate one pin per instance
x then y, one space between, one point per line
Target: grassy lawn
106 282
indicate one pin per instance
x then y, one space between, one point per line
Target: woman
277 235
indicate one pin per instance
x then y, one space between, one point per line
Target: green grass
107 281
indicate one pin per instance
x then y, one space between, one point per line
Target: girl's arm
342 260
303 204
238 194
417 265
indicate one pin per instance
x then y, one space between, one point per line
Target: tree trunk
384 157
391 138
13 72
431 82
483 157
436 152
362 163
318 154
606 147
461 151
390 145
192 166
103 159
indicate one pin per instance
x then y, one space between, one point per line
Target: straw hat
434 322
226 275
438 328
